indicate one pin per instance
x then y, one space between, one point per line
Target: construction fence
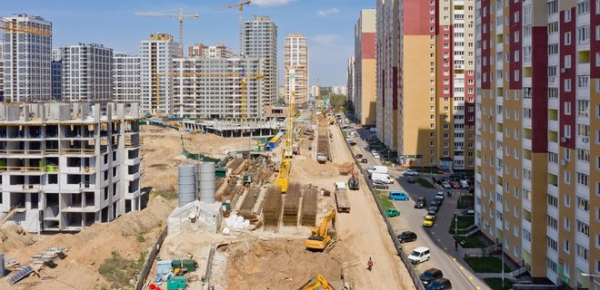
150 260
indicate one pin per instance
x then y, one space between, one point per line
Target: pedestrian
369 264
455 245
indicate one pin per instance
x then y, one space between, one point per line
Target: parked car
409 172
432 274
421 202
431 212
380 185
446 185
439 195
352 143
411 180
428 221
419 255
440 284
392 212
397 195
439 200
405 237
375 154
364 160
433 206
359 156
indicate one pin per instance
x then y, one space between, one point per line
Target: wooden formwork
291 205
250 199
309 207
272 207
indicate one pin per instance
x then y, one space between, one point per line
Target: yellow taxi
428 221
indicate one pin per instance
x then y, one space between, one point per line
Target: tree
337 101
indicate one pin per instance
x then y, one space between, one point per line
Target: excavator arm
319 282
326 220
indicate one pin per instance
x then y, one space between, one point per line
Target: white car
375 154
409 172
419 255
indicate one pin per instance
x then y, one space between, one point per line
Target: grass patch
466 201
463 223
496 283
120 270
386 203
425 183
141 238
487 265
169 195
470 242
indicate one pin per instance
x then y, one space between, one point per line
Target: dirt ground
162 150
87 249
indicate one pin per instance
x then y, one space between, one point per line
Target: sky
327 24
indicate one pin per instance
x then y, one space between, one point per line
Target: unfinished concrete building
66 166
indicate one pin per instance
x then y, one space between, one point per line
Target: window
583 34
552 222
583 179
551 243
549 263
568 61
567 224
583 7
582 252
567 108
567 38
552 200
583 228
567 247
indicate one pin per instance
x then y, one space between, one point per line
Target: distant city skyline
328 26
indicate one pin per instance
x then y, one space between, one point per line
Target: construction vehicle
317 282
353 183
240 7
283 180
341 197
180 16
320 239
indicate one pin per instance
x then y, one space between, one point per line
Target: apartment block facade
86 73
296 59
27 74
56 74
214 88
350 79
425 82
260 41
66 166
156 66
126 74
213 51
364 68
537 186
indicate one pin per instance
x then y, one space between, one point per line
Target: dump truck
341 197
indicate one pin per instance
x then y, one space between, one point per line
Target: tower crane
10 26
241 9
283 180
180 16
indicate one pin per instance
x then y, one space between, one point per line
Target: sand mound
13 237
276 265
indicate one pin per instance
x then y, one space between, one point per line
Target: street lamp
590 275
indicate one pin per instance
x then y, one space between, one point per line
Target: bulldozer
317 282
320 238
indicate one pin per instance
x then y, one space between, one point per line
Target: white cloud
266 3
326 39
327 12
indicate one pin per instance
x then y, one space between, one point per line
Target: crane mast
180 16
286 151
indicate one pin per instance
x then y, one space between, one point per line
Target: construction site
248 235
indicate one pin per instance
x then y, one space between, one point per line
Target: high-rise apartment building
350 79
86 73
66 166
126 71
296 59
214 51
425 82
537 182
1 76
56 73
260 41
365 67
26 59
210 88
156 64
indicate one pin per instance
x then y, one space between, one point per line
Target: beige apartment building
296 64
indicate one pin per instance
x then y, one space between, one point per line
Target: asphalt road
442 255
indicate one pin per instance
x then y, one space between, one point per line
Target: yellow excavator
283 180
319 283
320 239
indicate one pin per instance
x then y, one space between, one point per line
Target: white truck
378 169
381 177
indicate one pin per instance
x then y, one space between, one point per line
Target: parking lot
436 238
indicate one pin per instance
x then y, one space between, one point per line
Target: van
384 178
378 169
419 255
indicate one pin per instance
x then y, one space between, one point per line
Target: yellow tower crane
240 7
180 16
10 26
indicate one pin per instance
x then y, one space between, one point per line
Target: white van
381 177
464 184
378 169
419 255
